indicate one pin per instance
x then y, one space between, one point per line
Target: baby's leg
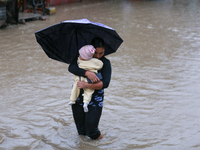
85 107
87 98
75 92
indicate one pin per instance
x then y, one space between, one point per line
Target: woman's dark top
98 95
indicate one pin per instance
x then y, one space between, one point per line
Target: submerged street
152 102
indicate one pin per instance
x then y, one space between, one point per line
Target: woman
87 123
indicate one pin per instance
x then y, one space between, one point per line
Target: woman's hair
98 42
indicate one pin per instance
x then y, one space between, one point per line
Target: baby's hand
85 107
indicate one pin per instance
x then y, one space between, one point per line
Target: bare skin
96 83
99 52
100 137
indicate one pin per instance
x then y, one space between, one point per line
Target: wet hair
98 42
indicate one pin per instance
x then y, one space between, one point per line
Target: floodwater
152 102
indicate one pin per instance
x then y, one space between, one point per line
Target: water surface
153 98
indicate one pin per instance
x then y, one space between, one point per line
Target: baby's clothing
93 65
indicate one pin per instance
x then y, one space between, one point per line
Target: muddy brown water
152 102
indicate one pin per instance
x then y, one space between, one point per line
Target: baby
85 61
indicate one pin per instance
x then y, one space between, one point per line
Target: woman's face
99 52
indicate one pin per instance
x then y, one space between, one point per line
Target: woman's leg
92 118
79 118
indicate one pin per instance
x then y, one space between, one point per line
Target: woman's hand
92 76
82 84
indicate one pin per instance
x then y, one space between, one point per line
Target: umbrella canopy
63 40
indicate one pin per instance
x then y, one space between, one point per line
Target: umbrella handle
79 78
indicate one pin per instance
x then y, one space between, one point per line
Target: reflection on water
152 101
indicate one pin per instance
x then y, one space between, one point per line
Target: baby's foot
71 103
85 107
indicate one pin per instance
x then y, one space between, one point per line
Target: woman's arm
104 83
106 72
94 86
74 69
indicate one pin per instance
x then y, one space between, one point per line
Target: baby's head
87 52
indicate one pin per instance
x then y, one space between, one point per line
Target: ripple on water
152 100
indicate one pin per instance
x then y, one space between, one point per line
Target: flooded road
152 102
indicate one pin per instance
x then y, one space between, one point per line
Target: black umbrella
63 40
